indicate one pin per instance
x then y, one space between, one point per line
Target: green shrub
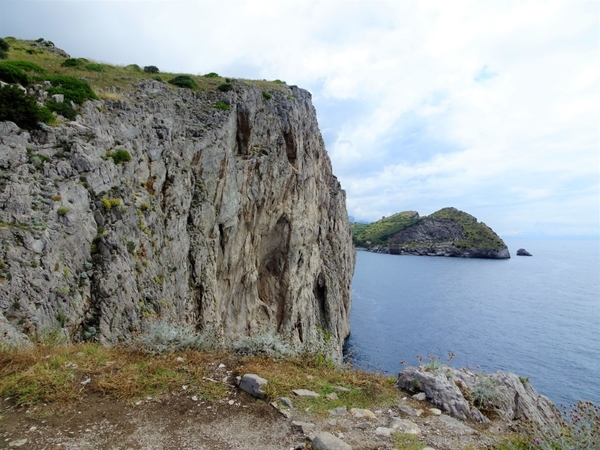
12 74
225 87
72 62
151 69
134 68
267 96
222 106
62 210
120 156
26 66
184 81
94 67
4 47
63 108
18 107
74 89
45 115
211 75
109 203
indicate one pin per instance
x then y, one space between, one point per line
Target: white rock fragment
420 396
305 393
363 414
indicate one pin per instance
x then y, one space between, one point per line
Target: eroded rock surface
229 220
509 396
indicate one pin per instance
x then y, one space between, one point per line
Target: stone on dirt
253 385
327 441
305 393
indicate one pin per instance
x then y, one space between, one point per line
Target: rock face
523 252
225 219
457 390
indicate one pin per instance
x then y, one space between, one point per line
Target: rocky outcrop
447 232
226 218
465 394
523 252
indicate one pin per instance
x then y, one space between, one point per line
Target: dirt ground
240 421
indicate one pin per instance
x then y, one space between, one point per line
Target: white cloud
492 107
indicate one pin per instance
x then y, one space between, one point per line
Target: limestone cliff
228 218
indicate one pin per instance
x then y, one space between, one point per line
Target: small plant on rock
485 392
62 210
120 156
222 106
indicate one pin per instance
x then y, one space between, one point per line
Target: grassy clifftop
27 62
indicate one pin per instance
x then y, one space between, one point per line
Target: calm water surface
536 316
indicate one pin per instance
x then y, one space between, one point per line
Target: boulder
523 252
253 385
505 393
440 390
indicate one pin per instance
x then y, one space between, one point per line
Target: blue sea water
536 316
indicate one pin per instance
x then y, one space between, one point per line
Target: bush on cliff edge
18 107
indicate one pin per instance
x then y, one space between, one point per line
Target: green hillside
479 235
377 233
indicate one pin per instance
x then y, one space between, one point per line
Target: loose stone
327 441
253 385
305 393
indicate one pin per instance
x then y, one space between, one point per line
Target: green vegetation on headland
377 233
408 229
40 63
478 234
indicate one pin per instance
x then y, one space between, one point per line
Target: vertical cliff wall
229 219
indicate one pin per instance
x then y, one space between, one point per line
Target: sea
537 316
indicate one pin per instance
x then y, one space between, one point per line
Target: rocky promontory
447 232
209 202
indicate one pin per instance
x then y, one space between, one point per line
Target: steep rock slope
226 219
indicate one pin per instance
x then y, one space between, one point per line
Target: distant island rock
523 252
447 232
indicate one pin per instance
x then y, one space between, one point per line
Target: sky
492 107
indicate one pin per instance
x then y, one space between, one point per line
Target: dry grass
58 374
366 390
62 374
115 76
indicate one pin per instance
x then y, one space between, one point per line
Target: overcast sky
492 107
